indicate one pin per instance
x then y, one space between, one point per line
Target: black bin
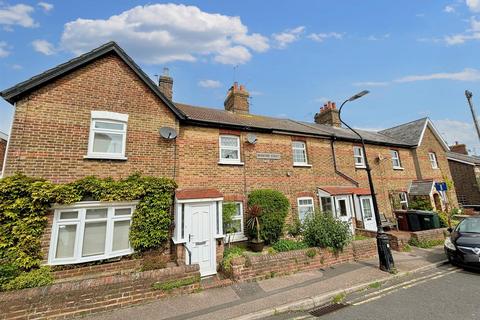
413 221
428 220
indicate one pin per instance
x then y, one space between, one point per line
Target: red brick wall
466 185
50 130
3 150
256 267
76 298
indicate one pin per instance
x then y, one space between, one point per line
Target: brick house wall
51 126
3 152
431 144
466 185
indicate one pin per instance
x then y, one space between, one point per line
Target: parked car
462 247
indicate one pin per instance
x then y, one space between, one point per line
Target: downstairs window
89 232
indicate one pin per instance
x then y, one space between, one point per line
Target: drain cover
327 309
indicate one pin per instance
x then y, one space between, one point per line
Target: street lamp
384 254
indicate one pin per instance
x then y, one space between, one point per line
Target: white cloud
473 5
43 46
380 37
4 49
209 83
16 66
320 37
371 84
455 130
45 6
19 14
159 33
283 39
449 9
473 33
467 74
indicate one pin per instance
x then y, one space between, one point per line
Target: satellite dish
251 138
168 133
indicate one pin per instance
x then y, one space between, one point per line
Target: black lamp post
384 254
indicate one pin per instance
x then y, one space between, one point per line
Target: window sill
102 157
235 238
398 168
231 163
360 167
304 165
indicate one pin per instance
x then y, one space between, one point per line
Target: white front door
343 209
200 239
368 215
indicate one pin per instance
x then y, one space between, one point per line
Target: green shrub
274 207
324 231
289 245
229 254
34 278
425 244
295 229
25 203
8 272
419 203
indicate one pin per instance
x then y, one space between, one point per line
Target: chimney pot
237 100
165 83
328 115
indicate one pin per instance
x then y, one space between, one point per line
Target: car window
469 225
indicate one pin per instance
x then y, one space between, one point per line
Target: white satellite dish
252 138
168 133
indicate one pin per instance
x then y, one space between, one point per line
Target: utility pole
469 96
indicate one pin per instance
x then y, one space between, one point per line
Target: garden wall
256 267
81 297
399 239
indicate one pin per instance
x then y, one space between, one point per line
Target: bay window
90 231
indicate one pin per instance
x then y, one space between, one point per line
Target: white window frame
396 158
432 156
237 148
108 117
81 208
302 149
239 235
361 157
312 206
403 198
332 205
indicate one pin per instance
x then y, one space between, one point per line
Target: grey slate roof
463 158
421 187
251 121
410 132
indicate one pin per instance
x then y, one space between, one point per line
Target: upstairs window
229 149
358 157
108 135
395 159
305 207
299 153
433 160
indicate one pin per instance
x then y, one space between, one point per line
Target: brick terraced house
99 114
465 170
3 149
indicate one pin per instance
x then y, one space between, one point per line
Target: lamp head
358 95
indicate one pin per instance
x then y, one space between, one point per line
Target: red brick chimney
237 99
165 84
459 148
328 115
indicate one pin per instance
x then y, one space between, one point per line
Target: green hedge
325 231
25 203
274 211
288 245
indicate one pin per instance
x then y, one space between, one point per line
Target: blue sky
416 57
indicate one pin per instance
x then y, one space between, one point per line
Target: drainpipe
341 174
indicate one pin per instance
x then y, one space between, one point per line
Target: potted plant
254 212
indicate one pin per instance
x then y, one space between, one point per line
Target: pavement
262 299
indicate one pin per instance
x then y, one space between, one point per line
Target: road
445 292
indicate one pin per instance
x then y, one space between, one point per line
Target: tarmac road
442 293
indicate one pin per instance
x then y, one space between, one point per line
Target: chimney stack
459 148
328 115
237 99
165 84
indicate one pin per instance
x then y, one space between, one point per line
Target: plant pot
256 246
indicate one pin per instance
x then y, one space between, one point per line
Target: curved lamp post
384 254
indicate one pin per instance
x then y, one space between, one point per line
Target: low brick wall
256 267
93 271
75 298
399 239
429 235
